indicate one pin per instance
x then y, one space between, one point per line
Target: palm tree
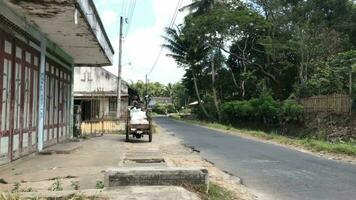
198 7
188 53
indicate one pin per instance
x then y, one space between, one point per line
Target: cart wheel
150 136
127 134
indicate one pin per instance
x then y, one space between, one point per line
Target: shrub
237 110
163 108
263 109
291 111
266 108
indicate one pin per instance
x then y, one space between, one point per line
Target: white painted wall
89 79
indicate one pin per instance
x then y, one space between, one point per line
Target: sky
144 38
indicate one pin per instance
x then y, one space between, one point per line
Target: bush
291 111
163 108
266 108
237 110
263 109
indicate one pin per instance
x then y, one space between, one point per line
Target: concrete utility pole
146 93
118 114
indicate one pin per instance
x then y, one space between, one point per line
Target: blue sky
144 39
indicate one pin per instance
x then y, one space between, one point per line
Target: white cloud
109 18
143 45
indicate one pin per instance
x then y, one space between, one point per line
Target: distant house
160 100
95 92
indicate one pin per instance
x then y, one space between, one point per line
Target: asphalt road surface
271 171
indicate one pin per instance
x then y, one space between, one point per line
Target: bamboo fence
334 103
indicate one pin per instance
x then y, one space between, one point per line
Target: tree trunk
234 80
243 81
216 103
198 96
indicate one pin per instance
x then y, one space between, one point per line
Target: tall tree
188 52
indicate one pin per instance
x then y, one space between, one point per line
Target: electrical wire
171 24
130 17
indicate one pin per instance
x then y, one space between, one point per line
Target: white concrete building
95 91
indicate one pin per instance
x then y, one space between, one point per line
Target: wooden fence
102 126
334 103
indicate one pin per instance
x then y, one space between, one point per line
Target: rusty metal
17 88
24 95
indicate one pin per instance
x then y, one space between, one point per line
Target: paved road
272 171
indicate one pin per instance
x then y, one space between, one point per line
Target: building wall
20 59
97 84
91 79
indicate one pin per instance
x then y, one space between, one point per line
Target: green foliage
179 95
216 192
238 110
263 109
163 108
16 188
154 89
99 185
291 110
286 47
10 196
56 185
331 76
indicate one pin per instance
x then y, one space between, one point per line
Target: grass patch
218 193
347 148
9 196
215 192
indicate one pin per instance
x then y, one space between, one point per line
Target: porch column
41 104
71 122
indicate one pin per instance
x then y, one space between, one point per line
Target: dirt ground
87 164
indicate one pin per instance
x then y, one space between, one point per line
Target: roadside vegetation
214 192
249 64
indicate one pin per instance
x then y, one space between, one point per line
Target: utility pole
118 114
146 94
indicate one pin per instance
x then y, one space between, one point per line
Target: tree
198 7
188 52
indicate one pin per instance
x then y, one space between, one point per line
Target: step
146 176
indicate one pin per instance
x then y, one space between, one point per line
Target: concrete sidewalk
123 193
84 163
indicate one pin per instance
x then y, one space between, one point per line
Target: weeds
213 192
16 188
99 185
75 185
56 186
5 196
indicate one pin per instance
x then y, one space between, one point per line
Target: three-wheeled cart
138 124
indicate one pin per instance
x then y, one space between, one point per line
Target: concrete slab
120 193
143 158
130 176
62 148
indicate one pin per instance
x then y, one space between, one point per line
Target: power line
173 19
130 16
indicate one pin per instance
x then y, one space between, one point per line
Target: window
112 104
